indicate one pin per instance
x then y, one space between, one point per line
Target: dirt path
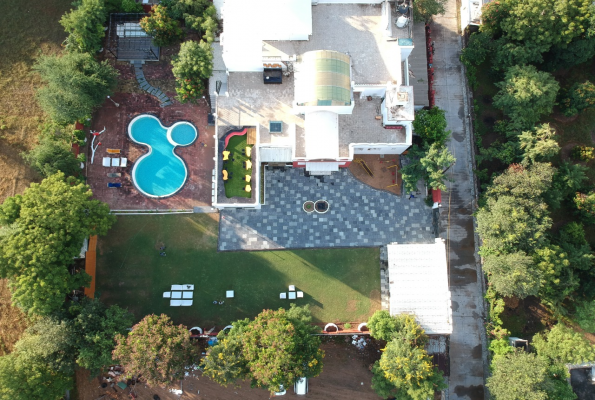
345 376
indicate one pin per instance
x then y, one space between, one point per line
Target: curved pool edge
171 128
168 135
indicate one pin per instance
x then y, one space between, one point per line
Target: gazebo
127 41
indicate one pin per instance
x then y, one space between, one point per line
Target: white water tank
402 21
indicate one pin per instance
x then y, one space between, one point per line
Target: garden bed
235 186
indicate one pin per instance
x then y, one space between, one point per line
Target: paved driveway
359 216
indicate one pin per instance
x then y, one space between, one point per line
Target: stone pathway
359 216
146 86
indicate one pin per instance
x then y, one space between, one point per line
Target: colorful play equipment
234 133
363 164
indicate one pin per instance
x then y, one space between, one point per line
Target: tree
85 26
568 179
525 184
404 370
50 221
157 349
384 326
276 348
50 157
525 376
161 27
526 94
578 98
571 239
413 171
562 345
558 278
424 10
430 125
48 342
76 84
512 274
584 315
192 65
94 327
539 144
22 378
506 226
429 164
536 23
576 52
585 203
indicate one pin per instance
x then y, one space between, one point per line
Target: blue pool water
160 173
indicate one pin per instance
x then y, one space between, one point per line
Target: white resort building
312 82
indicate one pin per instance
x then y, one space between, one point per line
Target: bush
583 153
584 315
430 126
563 345
85 26
580 97
347 325
192 65
131 6
585 203
50 157
161 27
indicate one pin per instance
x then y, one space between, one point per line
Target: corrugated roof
326 79
419 285
275 154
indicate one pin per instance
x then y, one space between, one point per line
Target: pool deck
199 159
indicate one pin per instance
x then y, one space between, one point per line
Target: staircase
146 86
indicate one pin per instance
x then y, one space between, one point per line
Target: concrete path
467 343
146 86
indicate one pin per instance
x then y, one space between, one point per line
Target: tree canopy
563 345
75 85
161 27
191 67
526 94
512 274
429 164
424 10
48 223
85 26
430 125
157 349
276 348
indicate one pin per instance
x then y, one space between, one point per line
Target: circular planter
321 206
331 328
363 327
196 328
308 206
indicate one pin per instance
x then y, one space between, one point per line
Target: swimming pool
160 172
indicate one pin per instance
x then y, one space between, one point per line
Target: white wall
375 91
376 148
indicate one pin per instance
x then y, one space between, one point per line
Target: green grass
235 186
340 285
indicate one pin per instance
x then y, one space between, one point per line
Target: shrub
430 126
50 157
580 97
192 65
583 153
585 203
347 325
161 27
584 315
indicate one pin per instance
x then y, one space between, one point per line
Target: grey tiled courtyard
359 216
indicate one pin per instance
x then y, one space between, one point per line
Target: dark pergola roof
127 42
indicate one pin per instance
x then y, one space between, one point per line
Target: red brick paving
199 159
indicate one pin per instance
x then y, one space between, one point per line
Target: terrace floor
359 216
199 159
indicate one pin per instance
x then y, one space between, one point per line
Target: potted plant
308 206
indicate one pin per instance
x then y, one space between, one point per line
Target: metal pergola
127 41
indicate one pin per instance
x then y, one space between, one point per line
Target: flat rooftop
254 103
355 29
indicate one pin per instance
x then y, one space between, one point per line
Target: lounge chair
225 177
114 185
116 162
248 151
300 294
113 151
248 188
175 303
248 178
283 295
123 162
248 164
114 174
226 155
107 162
186 303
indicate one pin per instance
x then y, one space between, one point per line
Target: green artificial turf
235 186
340 285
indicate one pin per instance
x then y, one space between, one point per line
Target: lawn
340 285
234 187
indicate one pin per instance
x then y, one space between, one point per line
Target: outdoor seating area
236 160
292 294
180 295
